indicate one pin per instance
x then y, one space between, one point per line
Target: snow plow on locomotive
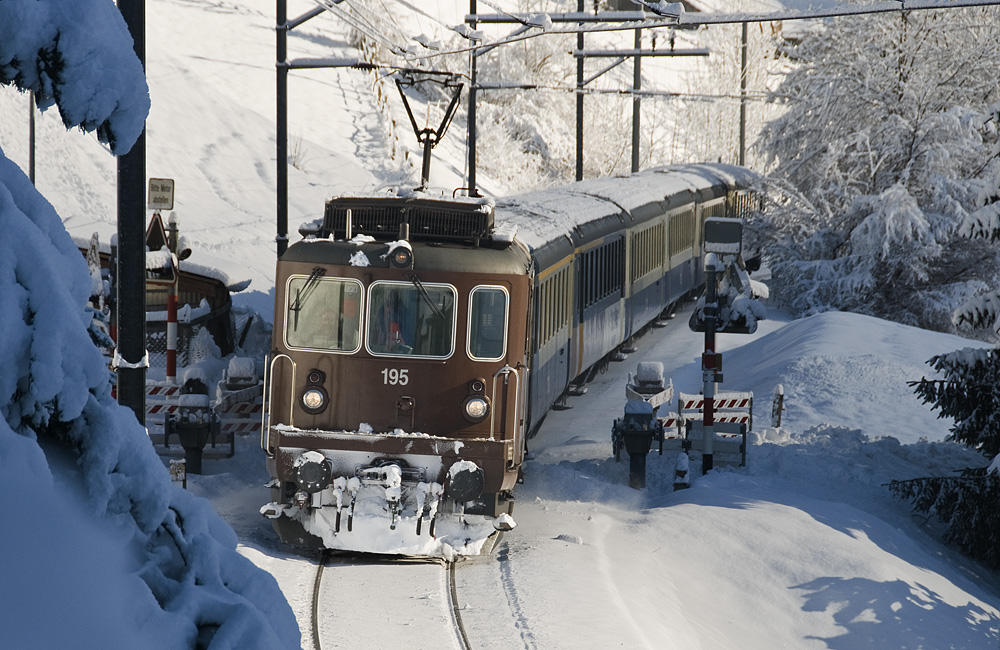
398 379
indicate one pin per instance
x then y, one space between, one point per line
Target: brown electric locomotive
418 341
398 380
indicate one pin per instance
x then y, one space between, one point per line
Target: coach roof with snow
553 222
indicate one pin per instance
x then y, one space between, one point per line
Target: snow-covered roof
547 215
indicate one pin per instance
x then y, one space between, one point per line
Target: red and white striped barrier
239 411
729 406
739 417
723 400
160 400
160 391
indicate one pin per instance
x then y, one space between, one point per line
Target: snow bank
139 562
87 484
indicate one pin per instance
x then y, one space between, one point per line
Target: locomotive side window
408 319
323 314
487 323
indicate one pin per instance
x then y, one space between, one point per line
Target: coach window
488 323
323 314
408 319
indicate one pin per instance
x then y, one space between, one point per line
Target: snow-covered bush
880 155
66 439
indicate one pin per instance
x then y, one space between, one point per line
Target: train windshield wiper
426 297
303 294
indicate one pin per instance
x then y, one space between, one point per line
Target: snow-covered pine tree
880 150
67 445
967 394
969 505
983 311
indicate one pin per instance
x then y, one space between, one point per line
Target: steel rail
324 556
463 637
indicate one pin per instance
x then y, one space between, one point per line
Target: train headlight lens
314 400
476 408
402 257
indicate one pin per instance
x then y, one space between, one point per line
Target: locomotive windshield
323 314
411 319
488 323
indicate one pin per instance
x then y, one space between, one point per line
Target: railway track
402 599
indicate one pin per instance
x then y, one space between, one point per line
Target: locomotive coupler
393 492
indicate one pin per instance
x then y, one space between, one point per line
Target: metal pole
131 272
579 101
281 117
31 137
708 369
743 96
172 304
636 101
472 108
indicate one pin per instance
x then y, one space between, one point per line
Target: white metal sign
161 194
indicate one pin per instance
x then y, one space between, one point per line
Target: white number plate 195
395 377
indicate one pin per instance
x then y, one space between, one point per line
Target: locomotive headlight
314 400
402 258
476 408
400 252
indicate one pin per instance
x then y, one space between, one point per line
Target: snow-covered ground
803 548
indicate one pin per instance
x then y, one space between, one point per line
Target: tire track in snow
513 601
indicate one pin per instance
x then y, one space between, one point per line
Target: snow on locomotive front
396 388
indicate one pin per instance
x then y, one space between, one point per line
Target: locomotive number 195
395 377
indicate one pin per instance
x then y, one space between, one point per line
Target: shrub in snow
967 394
967 505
